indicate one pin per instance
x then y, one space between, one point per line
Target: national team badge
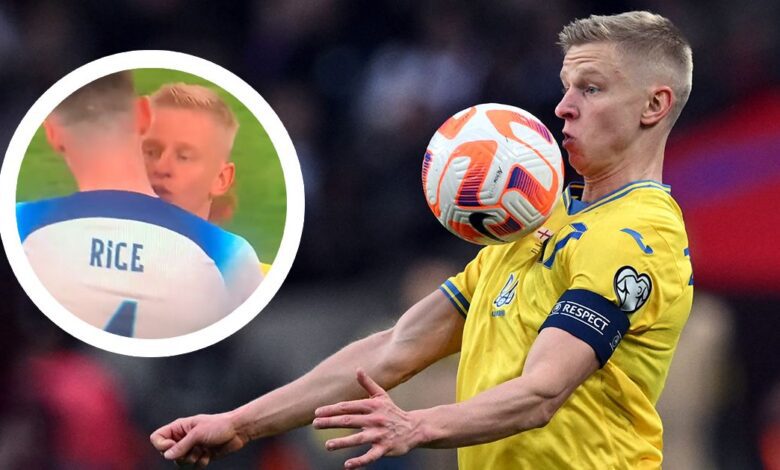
632 289
506 296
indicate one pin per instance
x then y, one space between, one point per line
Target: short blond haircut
645 36
99 102
196 97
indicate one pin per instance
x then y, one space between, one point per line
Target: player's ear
143 114
53 134
658 106
224 179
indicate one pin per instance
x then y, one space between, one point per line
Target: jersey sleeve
245 273
616 276
459 289
31 215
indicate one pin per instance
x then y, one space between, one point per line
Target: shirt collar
572 196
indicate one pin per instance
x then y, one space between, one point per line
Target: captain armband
591 318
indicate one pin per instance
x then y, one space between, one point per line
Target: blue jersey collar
572 196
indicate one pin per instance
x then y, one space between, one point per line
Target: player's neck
115 167
626 171
204 211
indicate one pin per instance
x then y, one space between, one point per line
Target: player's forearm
510 408
331 381
523 403
428 331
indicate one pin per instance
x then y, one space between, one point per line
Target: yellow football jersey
264 268
615 273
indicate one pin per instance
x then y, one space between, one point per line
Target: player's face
186 154
601 107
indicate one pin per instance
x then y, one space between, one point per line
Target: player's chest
500 301
517 289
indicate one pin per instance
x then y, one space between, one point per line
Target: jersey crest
506 296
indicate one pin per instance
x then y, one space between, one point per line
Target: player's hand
389 429
197 440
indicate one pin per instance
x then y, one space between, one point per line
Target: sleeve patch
631 288
592 319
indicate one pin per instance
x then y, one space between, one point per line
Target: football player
114 254
565 340
187 147
187 151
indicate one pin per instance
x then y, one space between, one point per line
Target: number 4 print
122 322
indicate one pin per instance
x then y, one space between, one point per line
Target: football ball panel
452 127
492 173
480 155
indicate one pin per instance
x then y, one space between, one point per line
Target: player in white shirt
114 254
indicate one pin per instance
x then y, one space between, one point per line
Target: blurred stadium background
361 86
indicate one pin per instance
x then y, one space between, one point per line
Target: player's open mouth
160 191
567 140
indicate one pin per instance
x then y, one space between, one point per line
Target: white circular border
293 179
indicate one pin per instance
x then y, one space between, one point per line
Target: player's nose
163 165
567 108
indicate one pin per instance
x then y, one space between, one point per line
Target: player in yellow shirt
566 337
616 276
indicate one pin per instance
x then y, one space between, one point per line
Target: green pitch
260 188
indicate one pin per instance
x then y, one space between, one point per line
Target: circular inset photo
151 203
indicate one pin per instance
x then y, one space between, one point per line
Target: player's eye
182 157
591 90
150 152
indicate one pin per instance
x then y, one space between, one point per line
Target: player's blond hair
648 37
100 101
196 97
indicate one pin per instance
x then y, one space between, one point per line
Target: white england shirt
135 265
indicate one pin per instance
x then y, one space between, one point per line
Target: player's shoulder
642 204
225 248
641 212
218 243
33 215
222 246
656 202
103 204
651 209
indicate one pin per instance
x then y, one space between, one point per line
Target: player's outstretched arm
556 365
427 332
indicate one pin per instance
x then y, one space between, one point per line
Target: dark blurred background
361 87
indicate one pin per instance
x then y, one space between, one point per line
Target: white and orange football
492 173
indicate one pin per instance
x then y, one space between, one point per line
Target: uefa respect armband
591 318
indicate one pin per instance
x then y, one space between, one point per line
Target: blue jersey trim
591 318
218 244
456 297
687 254
646 249
577 206
573 194
576 234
